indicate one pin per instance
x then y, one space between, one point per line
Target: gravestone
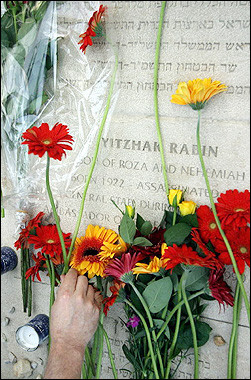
200 39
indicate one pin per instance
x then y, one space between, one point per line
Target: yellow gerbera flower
109 250
153 267
85 256
197 92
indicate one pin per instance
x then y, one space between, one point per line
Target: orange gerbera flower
86 256
197 92
42 139
94 29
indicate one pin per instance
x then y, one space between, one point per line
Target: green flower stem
174 215
176 333
114 370
218 221
232 351
195 343
2 207
155 89
29 283
90 364
148 338
84 372
55 214
15 21
95 346
23 280
47 260
101 344
170 315
93 162
144 304
235 349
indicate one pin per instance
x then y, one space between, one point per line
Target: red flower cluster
25 233
54 142
94 29
233 209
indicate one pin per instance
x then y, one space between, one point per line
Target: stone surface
200 39
22 368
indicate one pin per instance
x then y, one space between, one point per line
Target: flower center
90 252
50 241
212 226
46 142
243 250
239 209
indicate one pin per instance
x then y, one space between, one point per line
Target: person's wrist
62 347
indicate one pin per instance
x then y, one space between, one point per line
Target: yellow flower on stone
197 92
187 207
85 256
172 194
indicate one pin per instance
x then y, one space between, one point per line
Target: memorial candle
33 333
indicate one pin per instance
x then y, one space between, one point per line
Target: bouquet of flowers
166 275
162 274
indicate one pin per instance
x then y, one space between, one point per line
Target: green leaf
177 233
127 229
146 228
7 25
185 338
26 27
139 222
35 105
4 39
158 323
18 53
131 357
197 278
158 293
141 241
190 219
39 12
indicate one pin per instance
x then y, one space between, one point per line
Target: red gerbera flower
207 225
109 301
94 29
240 243
210 257
233 208
42 139
34 271
156 238
24 234
47 239
120 268
219 288
185 255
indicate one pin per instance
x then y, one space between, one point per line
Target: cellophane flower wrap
28 84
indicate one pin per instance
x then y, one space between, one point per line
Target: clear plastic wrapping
28 74
78 91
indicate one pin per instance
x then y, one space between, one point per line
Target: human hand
75 312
